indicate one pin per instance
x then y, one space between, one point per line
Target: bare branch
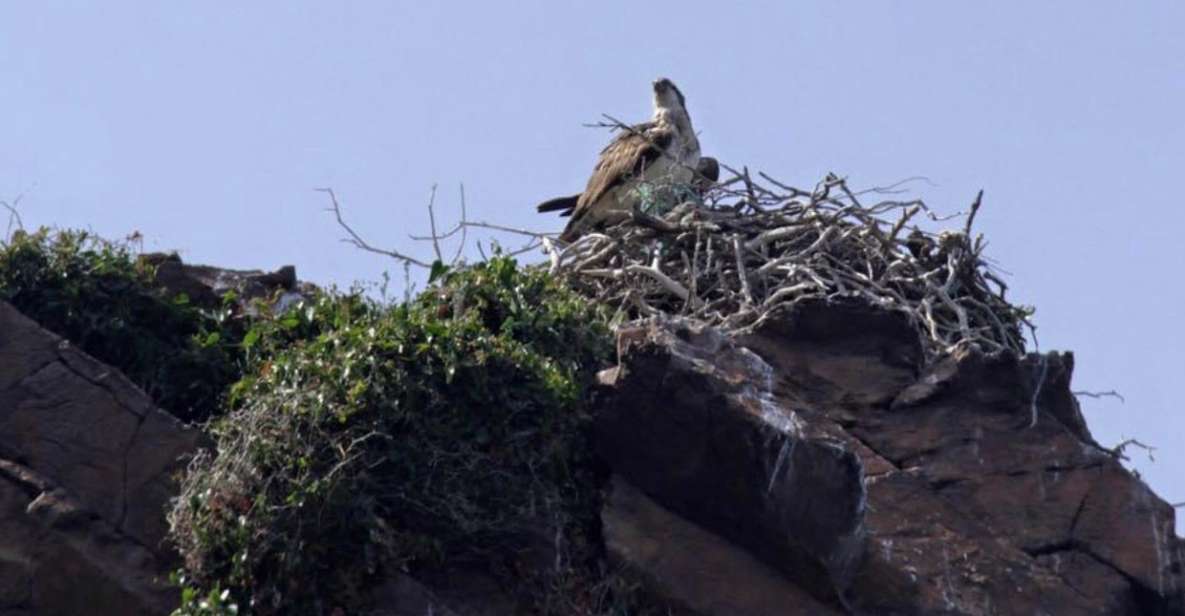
1119 450
974 211
515 230
744 250
357 240
746 291
464 227
896 187
1100 394
432 222
14 216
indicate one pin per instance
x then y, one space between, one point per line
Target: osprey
665 149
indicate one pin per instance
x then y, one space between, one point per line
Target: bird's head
667 95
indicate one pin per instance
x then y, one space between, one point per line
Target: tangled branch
535 239
751 248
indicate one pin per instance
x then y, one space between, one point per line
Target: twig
895 187
1118 450
974 210
517 231
432 223
464 227
741 275
1100 394
14 216
357 240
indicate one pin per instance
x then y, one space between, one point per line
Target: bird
664 149
707 172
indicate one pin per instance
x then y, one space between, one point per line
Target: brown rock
925 556
846 353
401 595
205 285
86 463
447 591
691 568
1097 583
979 488
62 559
687 418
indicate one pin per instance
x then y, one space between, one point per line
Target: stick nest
748 249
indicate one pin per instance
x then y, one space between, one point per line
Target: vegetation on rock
446 431
94 293
353 438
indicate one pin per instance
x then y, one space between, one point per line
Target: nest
746 250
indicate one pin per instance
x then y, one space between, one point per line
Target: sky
206 127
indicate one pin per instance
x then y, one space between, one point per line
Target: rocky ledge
814 466
817 466
86 464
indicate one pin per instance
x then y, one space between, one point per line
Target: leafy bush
94 293
446 430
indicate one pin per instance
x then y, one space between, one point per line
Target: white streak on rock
784 453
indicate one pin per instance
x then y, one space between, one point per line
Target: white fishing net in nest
747 249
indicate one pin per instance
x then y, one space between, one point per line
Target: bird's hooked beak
667 95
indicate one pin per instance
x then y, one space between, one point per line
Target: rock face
85 472
814 466
690 422
695 570
854 479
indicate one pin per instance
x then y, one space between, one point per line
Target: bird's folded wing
625 157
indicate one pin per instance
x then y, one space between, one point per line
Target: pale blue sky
206 126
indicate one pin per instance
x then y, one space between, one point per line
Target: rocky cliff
85 474
816 464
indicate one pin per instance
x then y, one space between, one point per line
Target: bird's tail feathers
564 205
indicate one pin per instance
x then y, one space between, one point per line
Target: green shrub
94 293
447 430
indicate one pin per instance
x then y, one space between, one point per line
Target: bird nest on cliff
748 248
753 247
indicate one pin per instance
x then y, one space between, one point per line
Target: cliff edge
784 406
820 456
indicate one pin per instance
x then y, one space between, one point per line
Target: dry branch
535 239
746 250
357 240
750 249
1101 394
1119 450
14 217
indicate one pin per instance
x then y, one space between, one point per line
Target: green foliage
216 602
95 294
370 438
363 438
